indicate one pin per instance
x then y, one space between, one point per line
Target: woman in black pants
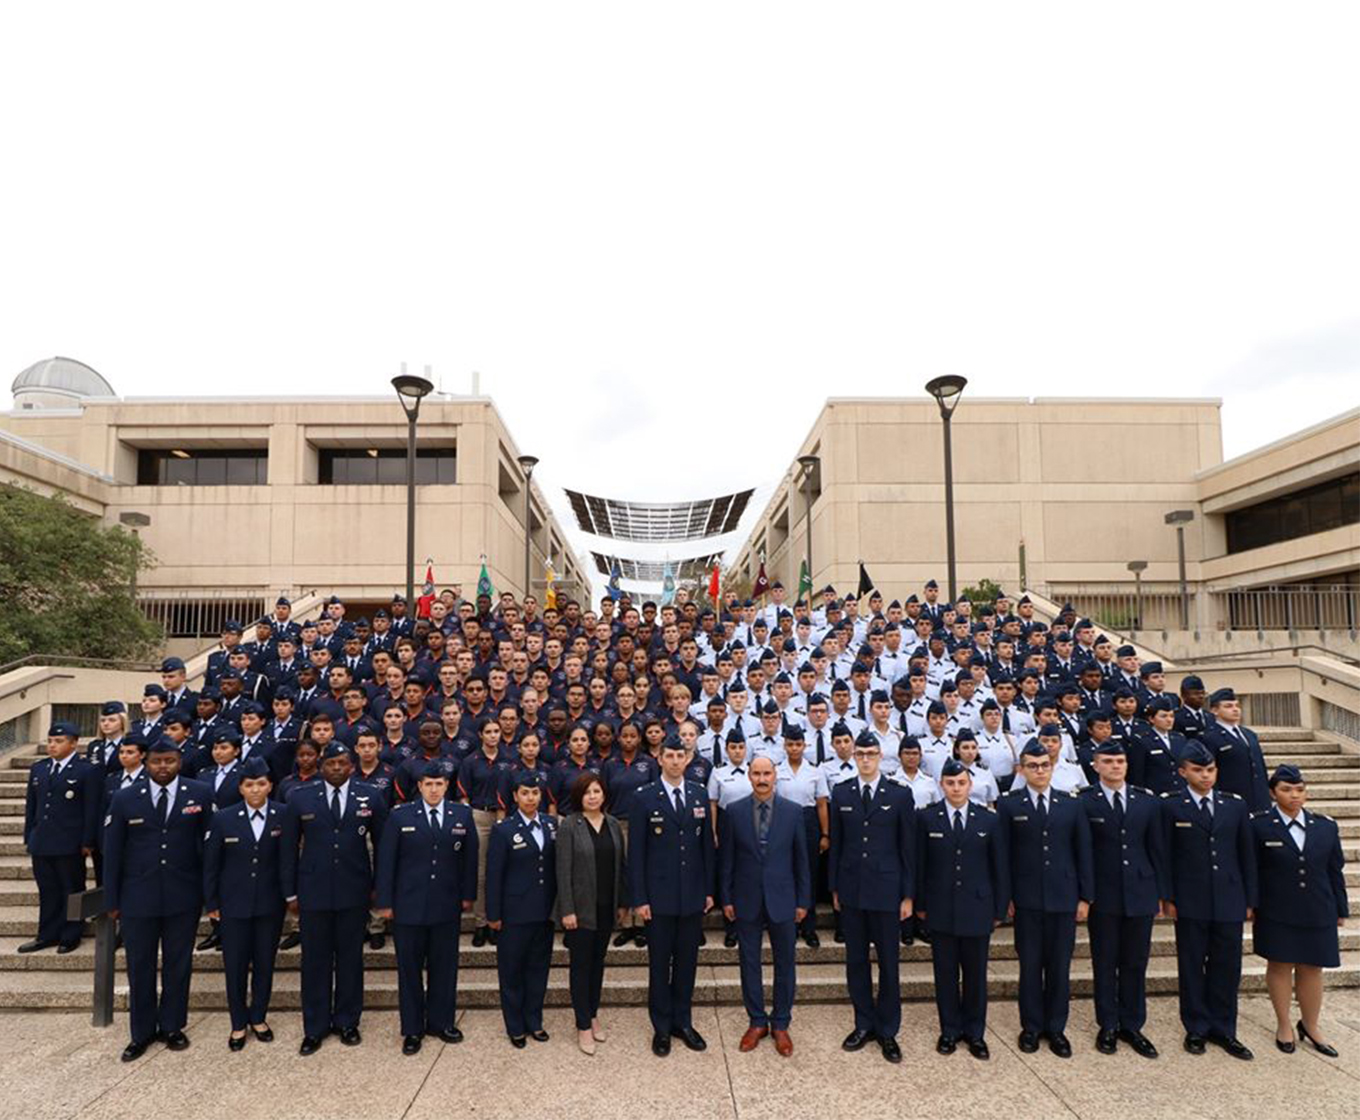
590 898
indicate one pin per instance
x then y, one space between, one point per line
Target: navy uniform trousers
58 877
1044 941
249 946
1209 961
332 969
427 971
523 960
172 935
1120 947
882 929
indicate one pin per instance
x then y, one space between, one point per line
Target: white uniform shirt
803 787
729 783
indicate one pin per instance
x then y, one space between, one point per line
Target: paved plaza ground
56 1065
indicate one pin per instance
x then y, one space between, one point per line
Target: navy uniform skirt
1314 945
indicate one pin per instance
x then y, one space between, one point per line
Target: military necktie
1119 806
764 829
335 805
1206 813
163 807
679 803
958 825
821 748
867 794
1043 809
434 819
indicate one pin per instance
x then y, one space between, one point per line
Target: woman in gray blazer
590 898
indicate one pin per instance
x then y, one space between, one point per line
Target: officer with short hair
61 820
1237 751
427 879
153 885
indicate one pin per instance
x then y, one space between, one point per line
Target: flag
613 590
667 585
714 585
484 583
804 582
762 584
426 592
549 591
865 583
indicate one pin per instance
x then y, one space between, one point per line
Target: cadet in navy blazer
1237 750
671 877
765 884
962 890
327 871
871 872
153 883
1130 870
1212 890
61 818
243 891
521 889
1052 883
426 881
1154 761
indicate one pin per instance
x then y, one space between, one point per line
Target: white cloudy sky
665 233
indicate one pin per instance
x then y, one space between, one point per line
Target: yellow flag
550 592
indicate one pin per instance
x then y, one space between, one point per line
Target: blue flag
667 585
614 591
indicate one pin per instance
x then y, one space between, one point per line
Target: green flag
804 581
484 584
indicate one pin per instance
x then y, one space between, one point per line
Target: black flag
865 583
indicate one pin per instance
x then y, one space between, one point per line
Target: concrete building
250 496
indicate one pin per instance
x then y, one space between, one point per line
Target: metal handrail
1235 654
18 688
79 662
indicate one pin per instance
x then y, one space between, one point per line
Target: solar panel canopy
658 521
654 571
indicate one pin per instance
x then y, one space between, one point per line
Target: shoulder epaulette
1260 813
1169 793
1234 796
1140 789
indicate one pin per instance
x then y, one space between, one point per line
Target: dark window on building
1329 505
380 466
183 467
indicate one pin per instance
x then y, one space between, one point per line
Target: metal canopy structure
654 571
663 521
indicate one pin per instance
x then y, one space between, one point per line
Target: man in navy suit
61 816
153 884
765 882
671 872
1237 750
330 833
872 873
243 893
427 879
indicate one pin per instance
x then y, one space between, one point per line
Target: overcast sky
664 234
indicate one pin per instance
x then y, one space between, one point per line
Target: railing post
82 907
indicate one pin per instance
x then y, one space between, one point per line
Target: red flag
426 592
762 584
713 585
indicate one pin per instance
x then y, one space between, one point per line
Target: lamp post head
411 390
946 391
133 519
809 463
527 463
1137 565
1179 516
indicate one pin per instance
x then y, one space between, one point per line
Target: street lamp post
1180 518
946 391
411 390
1137 567
134 521
809 463
527 463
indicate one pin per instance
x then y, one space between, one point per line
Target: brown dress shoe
783 1043
751 1039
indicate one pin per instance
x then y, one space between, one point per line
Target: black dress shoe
492 935
1284 1047
891 1051
479 937
36 946
857 1040
212 941
1029 1042
67 947
310 1045
813 940
235 1043
177 1040
1231 1046
661 1045
262 1035
730 939
703 937
839 936
451 1034
134 1050
640 939
1142 1045
692 1039
908 939
946 1044
1321 1047
290 941
376 941
1194 1044
410 1044
624 938
978 1048
350 1036
1059 1045
518 1043
1107 1041
539 1035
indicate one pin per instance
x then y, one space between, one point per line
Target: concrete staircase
45 980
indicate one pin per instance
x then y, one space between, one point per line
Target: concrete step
624 985
1311 764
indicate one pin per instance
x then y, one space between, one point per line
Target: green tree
984 594
66 583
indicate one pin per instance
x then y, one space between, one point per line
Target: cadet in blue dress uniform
1303 901
242 891
962 888
1236 749
427 879
61 819
1155 750
872 874
1052 884
671 861
153 885
330 831
521 888
1130 868
1212 889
